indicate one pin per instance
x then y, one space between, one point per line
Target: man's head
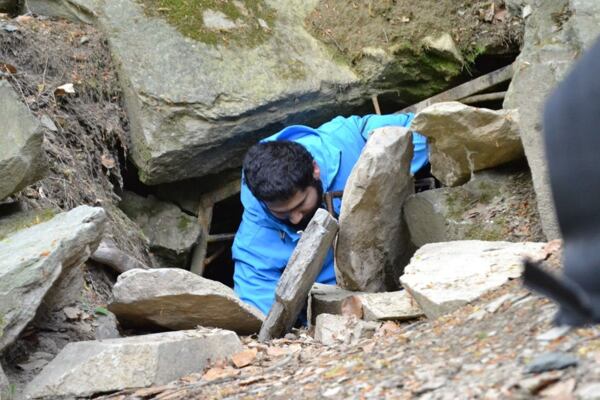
286 178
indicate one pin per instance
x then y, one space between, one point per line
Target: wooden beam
466 89
478 98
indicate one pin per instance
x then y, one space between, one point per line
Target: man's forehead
288 205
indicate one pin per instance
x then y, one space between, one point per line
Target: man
285 176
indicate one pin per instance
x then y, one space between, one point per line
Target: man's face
298 210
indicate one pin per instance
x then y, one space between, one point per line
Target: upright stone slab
464 139
551 45
299 275
176 299
445 276
373 242
83 369
171 233
22 158
33 259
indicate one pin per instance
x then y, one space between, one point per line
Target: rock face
551 45
32 260
22 159
444 276
171 233
373 238
494 205
464 139
176 299
87 368
338 329
302 269
329 299
196 117
4 384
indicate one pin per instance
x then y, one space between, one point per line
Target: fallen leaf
65 89
108 161
101 310
45 253
218 372
352 307
244 358
562 390
8 68
388 328
277 351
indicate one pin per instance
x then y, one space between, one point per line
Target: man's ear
316 170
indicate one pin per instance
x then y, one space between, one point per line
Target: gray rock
171 233
551 361
107 327
464 139
176 299
328 299
22 158
14 218
442 277
302 269
397 306
445 46
4 384
198 116
373 244
555 34
91 367
494 205
32 260
217 20
338 329
75 10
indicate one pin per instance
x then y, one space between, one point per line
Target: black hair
275 171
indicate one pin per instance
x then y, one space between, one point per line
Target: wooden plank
478 98
466 89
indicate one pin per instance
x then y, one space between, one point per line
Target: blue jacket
263 245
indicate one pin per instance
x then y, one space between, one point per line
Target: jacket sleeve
369 123
260 255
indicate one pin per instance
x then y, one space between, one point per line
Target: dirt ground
85 142
478 352
475 25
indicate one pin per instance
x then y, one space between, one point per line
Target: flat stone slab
32 260
464 139
328 299
299 275
172 298
91 367
340 329
444 276
22 158
373 244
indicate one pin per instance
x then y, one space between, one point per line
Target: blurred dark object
572 135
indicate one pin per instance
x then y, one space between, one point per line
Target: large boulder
22 158
60 8
494 205
200 90
556 33
373 240
83 369
33 259
171 233
464 139
442 277
176 299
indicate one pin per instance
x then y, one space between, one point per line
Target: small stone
331 392
589 391
9 28
217 20
551 361
84 40
47 123
72 313
338 329
527 10
495 305
553 334
263 24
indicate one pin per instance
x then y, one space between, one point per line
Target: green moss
184 223
186 17
291 70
